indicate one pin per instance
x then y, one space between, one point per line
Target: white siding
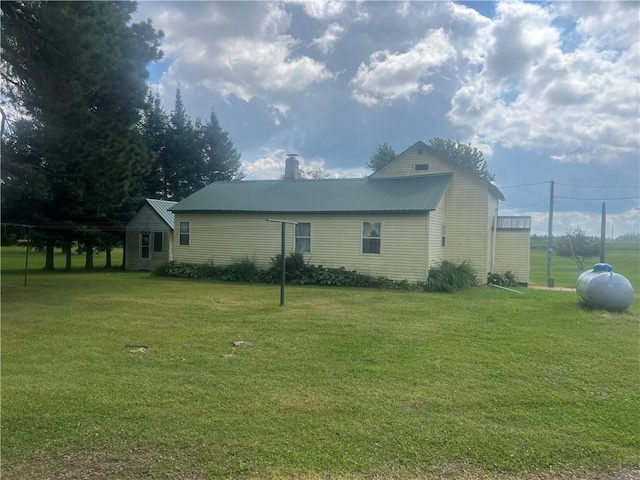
469 208
513 253
437 220
336 241
147 220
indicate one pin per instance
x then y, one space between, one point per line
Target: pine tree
77 70
154 127
181 159
220 158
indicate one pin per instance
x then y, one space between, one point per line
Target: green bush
297 271
450 277
186 270
506 279
241 270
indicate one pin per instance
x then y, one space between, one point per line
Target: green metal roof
354 195
162 207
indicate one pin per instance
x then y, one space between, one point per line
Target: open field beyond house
112 374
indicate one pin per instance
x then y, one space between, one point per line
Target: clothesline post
283 243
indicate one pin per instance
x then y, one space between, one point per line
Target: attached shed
513 247
149 236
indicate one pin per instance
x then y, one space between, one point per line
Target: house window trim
296 237
186 234
362 238
158 246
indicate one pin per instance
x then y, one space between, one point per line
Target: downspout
493 243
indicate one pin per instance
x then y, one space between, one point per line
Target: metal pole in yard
283 243
284 262
26 257
550 236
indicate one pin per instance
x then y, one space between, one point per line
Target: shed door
145 251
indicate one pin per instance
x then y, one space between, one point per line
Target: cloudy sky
547 90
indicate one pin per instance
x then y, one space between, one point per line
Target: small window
303 238
157 241
371 237
184 233
444 235
144 245
420 151
421 166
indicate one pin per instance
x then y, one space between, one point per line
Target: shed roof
514 223
355 195
162 207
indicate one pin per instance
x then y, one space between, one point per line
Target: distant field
341 383
624 257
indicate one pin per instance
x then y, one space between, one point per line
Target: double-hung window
371 237
303 238
184 233
157 241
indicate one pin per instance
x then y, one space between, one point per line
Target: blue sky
547 90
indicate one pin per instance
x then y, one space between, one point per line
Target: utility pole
603 232
550 235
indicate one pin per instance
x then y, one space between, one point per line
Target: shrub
185 270
450 277
297 271
506 279
241 270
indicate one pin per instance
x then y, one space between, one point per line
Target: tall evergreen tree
154 127
181 158
78 72
221 161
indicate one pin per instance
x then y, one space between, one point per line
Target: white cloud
590 223
331 36
271 162
581 104
323 9
393 76
252 58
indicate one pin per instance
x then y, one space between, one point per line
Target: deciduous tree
576 244
383 154
466 155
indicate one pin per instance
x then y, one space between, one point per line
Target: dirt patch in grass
136 465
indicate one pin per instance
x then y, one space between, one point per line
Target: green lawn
624 257
339 383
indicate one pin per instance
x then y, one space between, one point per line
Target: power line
600 199
526 206
598 186
524 185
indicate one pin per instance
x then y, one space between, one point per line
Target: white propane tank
601 288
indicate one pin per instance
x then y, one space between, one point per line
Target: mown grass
338 383
624 257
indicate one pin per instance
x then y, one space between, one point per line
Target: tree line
83 141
